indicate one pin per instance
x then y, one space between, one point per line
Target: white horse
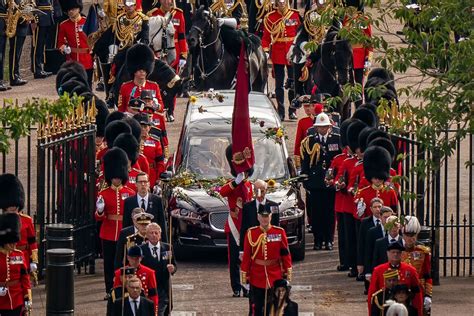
161 36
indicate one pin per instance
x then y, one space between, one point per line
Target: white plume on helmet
412 225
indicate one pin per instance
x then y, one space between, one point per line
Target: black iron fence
441 199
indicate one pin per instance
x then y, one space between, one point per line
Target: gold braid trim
376 299
312 152
262 239
127 32
263 9
220 7
277 28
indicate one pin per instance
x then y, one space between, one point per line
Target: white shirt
263 202
132 304
139 199
323 138
390 238
151 246
375 219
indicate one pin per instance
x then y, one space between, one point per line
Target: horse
161 37
384 79
333 68
215 52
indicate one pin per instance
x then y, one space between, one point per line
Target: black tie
143 204
155 254
261 207
392 240
377 222
135 307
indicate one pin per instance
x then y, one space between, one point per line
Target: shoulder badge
24 215
423 248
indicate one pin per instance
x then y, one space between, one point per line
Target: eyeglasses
143 181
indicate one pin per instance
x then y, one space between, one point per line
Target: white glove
367 65
101 13
246 286
290 52
3 290
240 177
182 63
33 267
67 50
427 303
100 205
268 55
28 305
241 255
157 190
302 45
360 208
298 171
220 21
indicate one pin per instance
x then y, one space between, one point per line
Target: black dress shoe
3 87
42 74
100 87
360 278
317 246
18 82
236 294
352 273
245 293
107 297
342 267
293 117
329 246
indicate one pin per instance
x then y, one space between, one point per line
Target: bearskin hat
352 134
71 70
114 116
9 228
343 132
366 116
135 126
363 137
385 143
71 4
377 162
11 192
372 107
114 129
101 117
376 134
115 165
412 225
140 57
129 144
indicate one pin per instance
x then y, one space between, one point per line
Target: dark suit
45 22
366 224
249 218
154 207
373 234
161 273
127 237
146 308
380 250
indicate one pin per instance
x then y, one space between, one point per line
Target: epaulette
278 227
131 236
359 162
137 170
127 81
254 227
269 13
375 299
364 188
64 21
341 154
423 248
150 13
178 10
143 16
24 215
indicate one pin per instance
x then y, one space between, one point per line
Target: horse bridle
164 47
335 76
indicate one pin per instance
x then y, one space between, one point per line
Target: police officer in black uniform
45 21
317 151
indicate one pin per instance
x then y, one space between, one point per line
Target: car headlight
289 213
183 213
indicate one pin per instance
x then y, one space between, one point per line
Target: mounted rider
228 12
258 9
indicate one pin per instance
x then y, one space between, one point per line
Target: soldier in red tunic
238 192
280 28
266 259
109 208
145 274
12 200
407 275
140 63
419 257
303 125
129 144
15 290
72 41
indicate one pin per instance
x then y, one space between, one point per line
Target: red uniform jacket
236 196
407 275
386 193
14 276
71 33
336 165
147 276
347 204
27 242
129 90
112 216
266 251
301 129
363 182
158 120
420 258
179 34
132 178
142 164
153 152
359 51
281 41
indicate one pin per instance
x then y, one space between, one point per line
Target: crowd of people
346 168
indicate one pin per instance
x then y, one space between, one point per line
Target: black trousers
301 88
322 205
90 75
309 212
14 56
279 71
359 78
257 300
38 46
163 302
350 240
234 263
341 230
13 312
108 252
3 46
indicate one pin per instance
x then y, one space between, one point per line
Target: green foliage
17 119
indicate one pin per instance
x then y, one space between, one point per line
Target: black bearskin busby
115 165
366 116
135 126
101 117
9 228
71 4
377 163
71 70
114 129
363 137
343 132
140 57
353 131
129 144
376 134
371 107
11 192
385 143
114 116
